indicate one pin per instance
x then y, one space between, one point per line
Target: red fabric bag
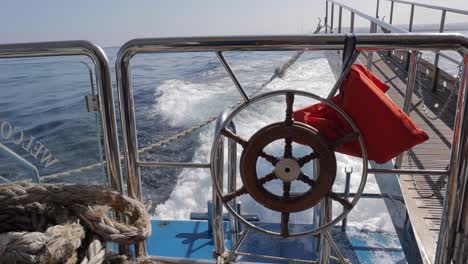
386 129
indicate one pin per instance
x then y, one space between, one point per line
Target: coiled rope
278 73
48 223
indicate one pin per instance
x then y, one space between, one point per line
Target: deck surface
423 194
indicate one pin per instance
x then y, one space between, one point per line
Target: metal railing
444 11
364 43
104 89
390 28
451 225
411 57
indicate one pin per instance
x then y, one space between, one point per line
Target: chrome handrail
104 87
443 8
365 42
371 19
375 21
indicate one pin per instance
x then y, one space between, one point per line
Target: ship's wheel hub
287 170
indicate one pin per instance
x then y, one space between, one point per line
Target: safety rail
441 28
412 58
364 42
104 89
390 28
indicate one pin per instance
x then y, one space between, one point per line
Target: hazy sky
112 22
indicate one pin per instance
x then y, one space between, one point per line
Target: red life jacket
386 129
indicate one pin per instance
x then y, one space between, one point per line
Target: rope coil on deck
65 223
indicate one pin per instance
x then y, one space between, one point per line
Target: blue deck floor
191 239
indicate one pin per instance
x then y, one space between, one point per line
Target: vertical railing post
370 54
331 18
232 167
325 251
317 217
391 13
326 17
348 172
389 53
410 84
129 134
340 13
377 9
410 26
452 232
351 26
410 29
435 72
218 221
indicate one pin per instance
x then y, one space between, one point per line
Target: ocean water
43 104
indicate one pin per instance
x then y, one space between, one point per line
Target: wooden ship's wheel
288 168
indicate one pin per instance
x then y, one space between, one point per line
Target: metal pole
325 243
435 73
324 213
410 27
218 220
391 12
389 53
411 81
370 54
232 166
340 13
331 19
326 17
409 93
377 9
351 27
232 76
129 134
318 214
451 243
348 172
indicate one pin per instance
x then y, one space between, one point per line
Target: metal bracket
92 103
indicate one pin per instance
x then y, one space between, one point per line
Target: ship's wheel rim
305 200
241 107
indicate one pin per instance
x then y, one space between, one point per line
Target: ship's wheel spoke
289 108
239 140
285 216
306 179
284 224
228 197
286 190
344 140
227 133
343 201
288 147
271 176
307 158
270 158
